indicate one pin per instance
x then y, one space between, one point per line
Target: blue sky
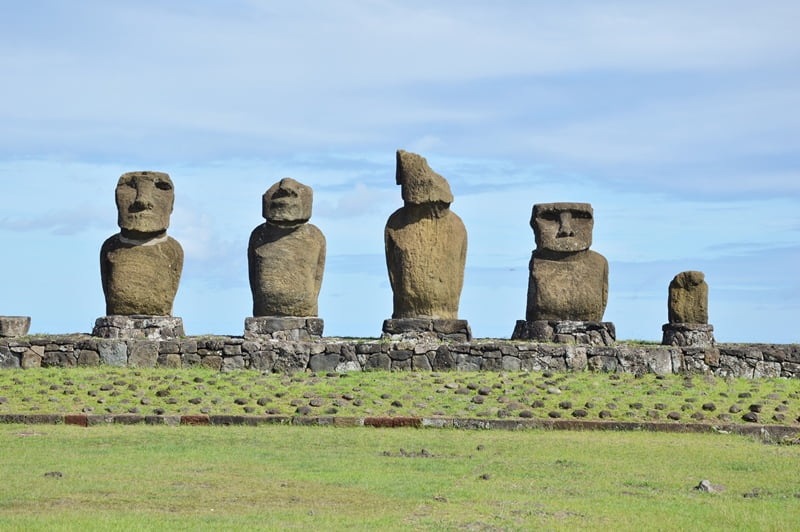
677 120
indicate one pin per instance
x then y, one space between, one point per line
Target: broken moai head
420 183
425 244
287 203
563 227
688 298
144 202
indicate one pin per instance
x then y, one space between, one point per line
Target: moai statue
141 266
687 312
568 282
286 259
688 298
426 249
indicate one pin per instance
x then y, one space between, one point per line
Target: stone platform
566 332
426 329
230 353
138 327
299 329
688 334
11 326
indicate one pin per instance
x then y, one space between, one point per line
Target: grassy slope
485 394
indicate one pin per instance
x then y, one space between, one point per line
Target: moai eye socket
163 185
550 216
581 214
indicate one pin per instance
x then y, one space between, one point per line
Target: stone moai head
688 298
563 227
144 201
420 183
287 203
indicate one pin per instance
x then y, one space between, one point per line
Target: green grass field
324 478
119 477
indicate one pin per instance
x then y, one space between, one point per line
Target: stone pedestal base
138 327
426 329
688 334
12 326
566 332
299 329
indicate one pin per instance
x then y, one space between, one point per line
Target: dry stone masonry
426 250
568 283
228 353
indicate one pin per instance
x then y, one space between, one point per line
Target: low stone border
772 433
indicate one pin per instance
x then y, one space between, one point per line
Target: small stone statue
687 312
286 259
426 246
568 282
141 266
688 298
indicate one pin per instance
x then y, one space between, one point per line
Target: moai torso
140 279
688 298
141 266
425 244
425 254
568 282
286 255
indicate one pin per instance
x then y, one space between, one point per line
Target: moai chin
141 266
568 282
286 260
426 250
687 312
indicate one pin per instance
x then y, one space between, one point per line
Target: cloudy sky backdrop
677 120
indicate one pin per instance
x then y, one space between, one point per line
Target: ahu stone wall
228 353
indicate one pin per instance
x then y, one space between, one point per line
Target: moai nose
565 225
144 194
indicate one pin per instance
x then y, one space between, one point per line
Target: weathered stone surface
324 362
143 354
141 266
426 244
688 334
688 298
8 360
88 358
286 255
232 363
567 281
32 358
113 353
283 328
138 327
14 326
566 332
425 329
